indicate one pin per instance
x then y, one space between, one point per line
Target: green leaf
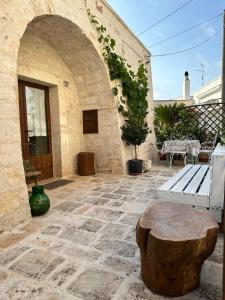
115 91
103 29
100 38
133 104
106 39
93 21
112 43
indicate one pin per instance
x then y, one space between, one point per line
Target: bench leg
156 157
167 159
191 159
171 159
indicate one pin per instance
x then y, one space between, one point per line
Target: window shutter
90 121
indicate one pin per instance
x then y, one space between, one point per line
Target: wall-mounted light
66 83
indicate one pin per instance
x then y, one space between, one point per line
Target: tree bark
174 241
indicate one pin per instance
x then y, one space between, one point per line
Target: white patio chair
158 149
180 150
188 137
208 147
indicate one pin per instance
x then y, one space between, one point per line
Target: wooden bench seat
191 185
201 186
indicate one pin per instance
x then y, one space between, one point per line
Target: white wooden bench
201 186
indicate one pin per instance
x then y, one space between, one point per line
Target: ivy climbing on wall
132 104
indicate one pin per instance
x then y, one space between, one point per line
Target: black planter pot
135 166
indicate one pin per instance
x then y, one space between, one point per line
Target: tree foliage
177 121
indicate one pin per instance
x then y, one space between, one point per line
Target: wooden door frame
23 116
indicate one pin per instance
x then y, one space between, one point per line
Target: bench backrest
217 177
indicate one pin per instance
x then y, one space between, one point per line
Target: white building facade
209 92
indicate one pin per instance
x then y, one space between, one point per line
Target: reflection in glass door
36 121
35 127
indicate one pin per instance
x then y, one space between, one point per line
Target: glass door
36 127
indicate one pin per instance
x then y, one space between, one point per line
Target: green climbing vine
132 104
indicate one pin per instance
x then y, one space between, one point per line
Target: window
90 121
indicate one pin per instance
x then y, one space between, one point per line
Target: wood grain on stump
174 241
85 163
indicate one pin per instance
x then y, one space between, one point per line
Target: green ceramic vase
39 201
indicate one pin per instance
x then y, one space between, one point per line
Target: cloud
209 31
157 94
158 33
166 89
155 2
219 63
202 59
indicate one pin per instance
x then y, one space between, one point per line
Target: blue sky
168 71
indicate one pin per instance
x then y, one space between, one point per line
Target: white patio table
190 147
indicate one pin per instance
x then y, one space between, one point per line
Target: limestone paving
85 247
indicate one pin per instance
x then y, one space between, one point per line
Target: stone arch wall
38 62
92 83
89 74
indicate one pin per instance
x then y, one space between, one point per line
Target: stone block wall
49 41
39 62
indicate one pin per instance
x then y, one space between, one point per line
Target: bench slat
173 180
205 187
183 182
196 181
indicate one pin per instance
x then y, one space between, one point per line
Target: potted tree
134 108
132 104
134 134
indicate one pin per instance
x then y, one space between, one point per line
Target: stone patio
84 247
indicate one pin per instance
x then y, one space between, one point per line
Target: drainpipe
223 61
223 101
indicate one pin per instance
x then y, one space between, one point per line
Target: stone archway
91 90
43 51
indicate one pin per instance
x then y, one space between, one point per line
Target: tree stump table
174 241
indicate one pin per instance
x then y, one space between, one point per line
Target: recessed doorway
35 124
